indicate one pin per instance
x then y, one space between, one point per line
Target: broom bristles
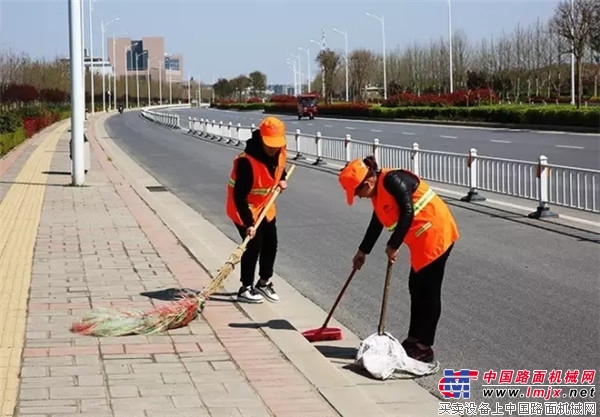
217 282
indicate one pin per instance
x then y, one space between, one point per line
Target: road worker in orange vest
406 205
256 172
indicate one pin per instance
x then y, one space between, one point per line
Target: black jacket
244 178
401 185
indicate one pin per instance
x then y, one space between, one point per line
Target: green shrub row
17 124
9 140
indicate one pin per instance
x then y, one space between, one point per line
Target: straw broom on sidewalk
105 322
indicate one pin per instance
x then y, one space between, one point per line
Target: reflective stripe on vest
418 206
256 191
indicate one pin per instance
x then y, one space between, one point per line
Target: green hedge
10 122
13 129
10 140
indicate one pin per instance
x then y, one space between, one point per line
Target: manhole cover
156 188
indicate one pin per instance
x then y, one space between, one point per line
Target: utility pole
77 96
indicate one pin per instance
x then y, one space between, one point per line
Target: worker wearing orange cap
256 172
407 206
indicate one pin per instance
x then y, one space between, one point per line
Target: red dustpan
324 332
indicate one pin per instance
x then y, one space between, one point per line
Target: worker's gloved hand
359 260
282 185
251 231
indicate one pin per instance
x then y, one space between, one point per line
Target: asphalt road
518 294
569 149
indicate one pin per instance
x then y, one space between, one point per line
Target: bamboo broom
217 282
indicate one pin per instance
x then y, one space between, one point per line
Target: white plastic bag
382 355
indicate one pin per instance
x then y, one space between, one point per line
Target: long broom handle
386 290
339 297
264 211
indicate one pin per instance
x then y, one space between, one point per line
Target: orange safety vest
433 228
262 185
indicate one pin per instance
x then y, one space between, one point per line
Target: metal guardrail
571 187
162 118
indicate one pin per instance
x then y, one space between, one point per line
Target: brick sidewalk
100 245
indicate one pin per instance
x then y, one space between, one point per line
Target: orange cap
351 177
272 131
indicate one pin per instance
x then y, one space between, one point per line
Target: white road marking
310 124
408 133
500 141
350 128
328 125
570 147
376 130
448 137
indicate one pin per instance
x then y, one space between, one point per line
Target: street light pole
160 81
137 79
450 43
322 68
114 68
307 67
137 76
148 81
382 21
345 33
77 96
103 31
572 62
90 9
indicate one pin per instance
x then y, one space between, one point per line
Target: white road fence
540 181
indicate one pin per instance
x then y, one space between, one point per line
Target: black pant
425 289
262 246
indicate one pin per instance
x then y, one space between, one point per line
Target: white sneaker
268 291
249 295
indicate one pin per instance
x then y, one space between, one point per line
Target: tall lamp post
127 48
137 76
345 34
322 68
572 65
450 44
77 96
307 66
382 21
90 10
103 27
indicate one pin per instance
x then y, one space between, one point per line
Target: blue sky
228 38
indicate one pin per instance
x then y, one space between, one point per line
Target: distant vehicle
307 106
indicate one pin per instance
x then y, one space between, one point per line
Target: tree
362 63
576 25
330 62
239 84
222 88
595 47
258 82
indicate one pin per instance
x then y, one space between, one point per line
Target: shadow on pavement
56 173
337 352
272 324
170 294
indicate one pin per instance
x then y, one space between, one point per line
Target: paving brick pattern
100 246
